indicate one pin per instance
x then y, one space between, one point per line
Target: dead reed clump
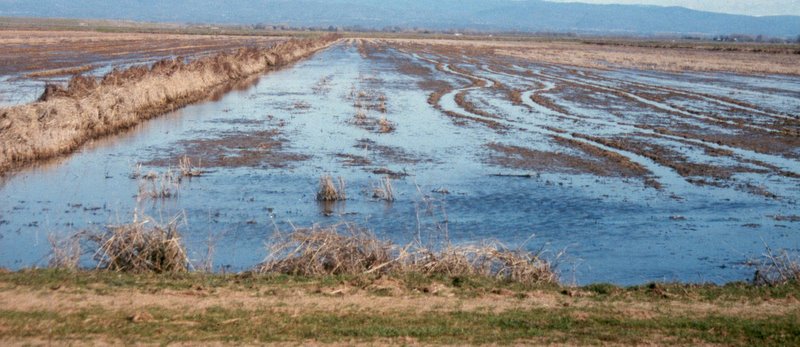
491 260
384 190
140 247
356 251
385 125
382 104
330 191
777 268
326 251
187 169
360 118
65 252
159 186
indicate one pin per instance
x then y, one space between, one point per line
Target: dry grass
492 260
360 118
61 72
777 268
187 169
356 251
385 125
330 191
142 246
65 118
159 186
322 251
65 252
384 190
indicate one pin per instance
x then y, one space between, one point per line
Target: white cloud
746 7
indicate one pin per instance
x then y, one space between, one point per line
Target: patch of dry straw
141 246
777 268
346 249
65 252
330 191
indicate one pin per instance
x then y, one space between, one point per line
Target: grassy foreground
41 307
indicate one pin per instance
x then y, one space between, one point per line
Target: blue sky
747 7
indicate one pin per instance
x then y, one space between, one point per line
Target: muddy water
266 146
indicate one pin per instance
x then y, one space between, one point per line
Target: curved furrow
786 167
661 106
721 100
715 99
665 173
767 161
448 105
696 95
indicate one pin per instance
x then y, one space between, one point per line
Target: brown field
646 57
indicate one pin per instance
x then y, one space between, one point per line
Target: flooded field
622 176
30 59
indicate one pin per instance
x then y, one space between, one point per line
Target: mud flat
639 174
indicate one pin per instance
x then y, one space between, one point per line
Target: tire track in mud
783 166
459 93
719 100
666 173
658 105
661 168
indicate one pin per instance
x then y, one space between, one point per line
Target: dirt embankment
87 108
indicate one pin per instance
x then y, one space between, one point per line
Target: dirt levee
65 118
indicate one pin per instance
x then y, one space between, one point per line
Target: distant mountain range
487 15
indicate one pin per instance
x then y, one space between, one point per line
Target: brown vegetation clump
777 268
325 251
65 118
187 169
384 190
330 191
158 186
490 260
61 72
356 251
65 253
140 247
386 126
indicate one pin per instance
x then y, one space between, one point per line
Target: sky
746 7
